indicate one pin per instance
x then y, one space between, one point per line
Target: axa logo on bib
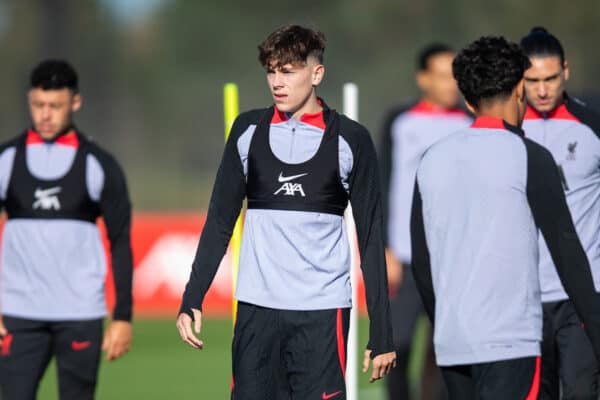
290 188
47 199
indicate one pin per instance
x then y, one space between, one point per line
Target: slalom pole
351 111
230 112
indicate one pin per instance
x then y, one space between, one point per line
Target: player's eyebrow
546 79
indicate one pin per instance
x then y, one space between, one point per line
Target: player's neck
310 106
505 110
434 105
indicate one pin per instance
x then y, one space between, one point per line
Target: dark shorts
517 379
568 360
283 355
29 347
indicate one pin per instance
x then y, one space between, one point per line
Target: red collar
560 112
68 139
314 119
487 122
427 107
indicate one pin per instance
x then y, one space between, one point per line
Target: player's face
437 82
293 85
545 82
51 110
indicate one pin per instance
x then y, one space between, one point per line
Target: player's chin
545 106
283 106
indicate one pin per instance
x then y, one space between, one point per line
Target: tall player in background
571 132
408 132
298 163
54 184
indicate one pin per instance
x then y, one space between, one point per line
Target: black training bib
314 185
63 198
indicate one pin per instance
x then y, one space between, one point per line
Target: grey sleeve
553 218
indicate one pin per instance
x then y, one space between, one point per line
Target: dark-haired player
298 163
481 196
54 184
408 132
571 132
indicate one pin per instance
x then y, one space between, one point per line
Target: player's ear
566 70
470 107
76 101
422 80
318 71
520 91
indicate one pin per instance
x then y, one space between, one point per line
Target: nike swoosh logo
80 345
47 192
326 396
289 178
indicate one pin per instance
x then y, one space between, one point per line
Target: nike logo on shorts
77 346
289 178
326 396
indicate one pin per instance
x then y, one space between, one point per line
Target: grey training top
571 133
55 268
480 198
408 133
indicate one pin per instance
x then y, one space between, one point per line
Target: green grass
160 366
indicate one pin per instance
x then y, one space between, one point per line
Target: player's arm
7 153
420 255
365 196
115 208
394 266
225 205
552 216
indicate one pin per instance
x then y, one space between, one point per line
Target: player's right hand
382 364
3 331
184 326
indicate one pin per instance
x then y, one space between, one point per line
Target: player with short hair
571 132
480 198
407 133
54 184
298 163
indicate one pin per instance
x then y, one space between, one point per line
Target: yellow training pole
230 112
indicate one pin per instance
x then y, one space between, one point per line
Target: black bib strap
287 206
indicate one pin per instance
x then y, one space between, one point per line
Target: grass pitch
160 366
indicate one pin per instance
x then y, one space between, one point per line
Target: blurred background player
481 196
298 163
54 184
570 131
408 132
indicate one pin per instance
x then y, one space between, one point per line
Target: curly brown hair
291 44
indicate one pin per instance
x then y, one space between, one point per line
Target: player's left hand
382 364
117 339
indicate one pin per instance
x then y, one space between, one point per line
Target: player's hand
3 331
395 271
117 339
184 326
382 364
